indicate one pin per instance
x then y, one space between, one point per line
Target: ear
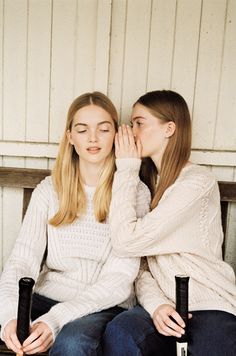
68 134
170 129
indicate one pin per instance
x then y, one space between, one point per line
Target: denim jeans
132 333
81 337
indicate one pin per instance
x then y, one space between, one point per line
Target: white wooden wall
53 50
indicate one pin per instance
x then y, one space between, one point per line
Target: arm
114 286
153 234
160 308
147 290
25 258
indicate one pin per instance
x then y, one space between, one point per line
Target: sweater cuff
123 164
151 306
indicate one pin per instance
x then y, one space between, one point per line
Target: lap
83 336
210 332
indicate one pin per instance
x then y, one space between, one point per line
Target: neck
90 173
157 161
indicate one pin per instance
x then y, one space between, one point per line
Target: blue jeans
81 337
132 333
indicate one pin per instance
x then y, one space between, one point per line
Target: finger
33 336
41 344
125 135
11 345
159 328
165 328
178 318
190 316
16 341
139 147
117 143
130 135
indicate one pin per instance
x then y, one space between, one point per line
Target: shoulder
199 177
45 188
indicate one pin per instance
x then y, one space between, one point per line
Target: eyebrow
100 123
137 117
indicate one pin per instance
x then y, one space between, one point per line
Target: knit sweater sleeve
148 292
26 256
153 234
113 287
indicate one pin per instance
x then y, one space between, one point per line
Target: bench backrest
27 179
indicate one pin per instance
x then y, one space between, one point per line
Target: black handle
181 283
24 308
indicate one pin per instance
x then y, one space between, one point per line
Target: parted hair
66 174
168 106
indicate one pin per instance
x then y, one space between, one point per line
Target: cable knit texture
81 270
182 235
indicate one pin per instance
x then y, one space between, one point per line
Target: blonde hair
167 106
66 174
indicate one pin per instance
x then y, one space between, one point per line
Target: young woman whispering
182 234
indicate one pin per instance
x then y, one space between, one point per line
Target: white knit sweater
182 235
81 270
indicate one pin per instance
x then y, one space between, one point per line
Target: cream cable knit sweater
182 235
81 269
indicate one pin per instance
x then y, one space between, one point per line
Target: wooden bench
27 179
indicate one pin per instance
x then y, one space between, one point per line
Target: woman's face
92 134
152 132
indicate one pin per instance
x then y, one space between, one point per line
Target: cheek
110 143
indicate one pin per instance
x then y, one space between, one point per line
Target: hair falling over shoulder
168 106
66 175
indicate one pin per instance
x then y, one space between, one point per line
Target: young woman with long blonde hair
182 234
81 283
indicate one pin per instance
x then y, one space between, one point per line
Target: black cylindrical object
24 308
182 302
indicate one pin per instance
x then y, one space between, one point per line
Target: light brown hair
66 174
168 106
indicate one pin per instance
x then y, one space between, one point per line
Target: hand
125 146
10 337
165 325
40 339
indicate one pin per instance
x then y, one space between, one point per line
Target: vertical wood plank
62 72
1 229
208 73
14 75
186 48
102 45
136 53
1 66
116 64
161 44
11 198
85 46
12 210
38 71
227 174
225 136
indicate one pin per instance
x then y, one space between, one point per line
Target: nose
92 136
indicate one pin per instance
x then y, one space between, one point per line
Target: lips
93 149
